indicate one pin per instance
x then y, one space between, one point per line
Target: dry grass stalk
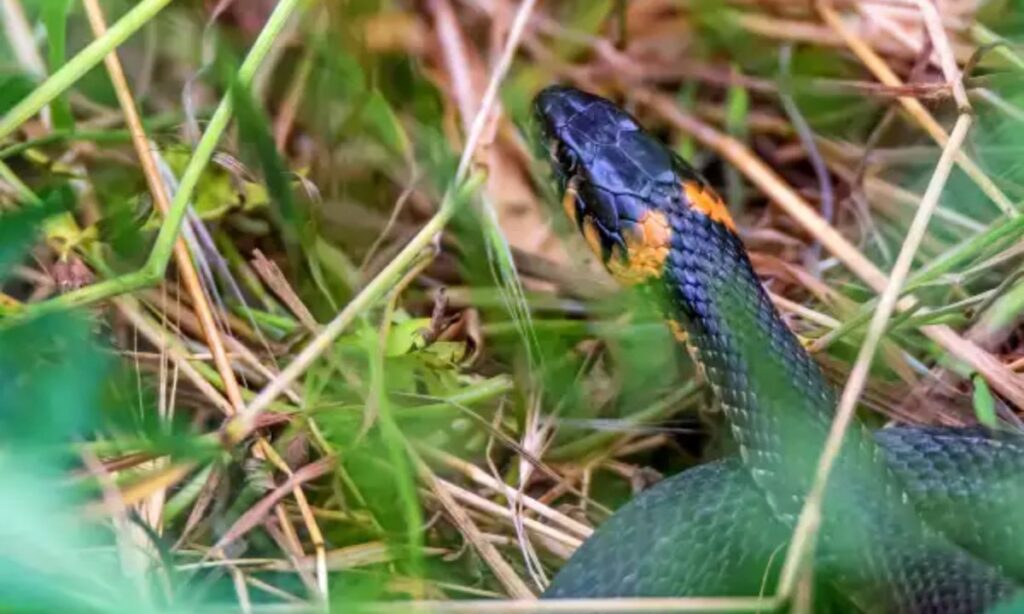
499 566
482 478
475 500
802 544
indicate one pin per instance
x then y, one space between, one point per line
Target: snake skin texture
966 483
713 514
915 519
709 531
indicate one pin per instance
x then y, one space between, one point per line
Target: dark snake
915 519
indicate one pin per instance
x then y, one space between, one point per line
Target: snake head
620 185
573 127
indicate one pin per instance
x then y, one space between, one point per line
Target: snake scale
916 519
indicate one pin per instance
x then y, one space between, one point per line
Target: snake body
915 519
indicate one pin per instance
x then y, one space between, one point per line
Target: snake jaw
605 243
644 249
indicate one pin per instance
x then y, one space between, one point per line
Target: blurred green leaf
737 114
984 402
50 380
258 144
587 16
50 561
55 16
19 228
382 123
13 88
406 335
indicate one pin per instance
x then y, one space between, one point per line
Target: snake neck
775 397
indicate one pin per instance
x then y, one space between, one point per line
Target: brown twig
275 279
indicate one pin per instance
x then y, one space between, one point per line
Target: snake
915 518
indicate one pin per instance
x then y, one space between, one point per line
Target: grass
186 424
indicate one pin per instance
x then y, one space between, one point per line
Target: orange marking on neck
569 201
648 245
592 235
708 202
